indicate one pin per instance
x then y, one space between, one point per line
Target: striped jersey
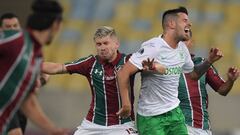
193 96
106 99
20 60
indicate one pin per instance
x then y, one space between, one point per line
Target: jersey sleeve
81 66
188 66
213 78
147 50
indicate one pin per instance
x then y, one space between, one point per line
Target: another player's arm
214 55
53 68
32 109
123 78
233 74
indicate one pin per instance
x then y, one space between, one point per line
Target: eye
98 44
106 43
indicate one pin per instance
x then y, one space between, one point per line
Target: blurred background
66 98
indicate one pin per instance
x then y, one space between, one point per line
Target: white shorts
89 128
198 131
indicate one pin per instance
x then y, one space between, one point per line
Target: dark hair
173 12
7 16
45 12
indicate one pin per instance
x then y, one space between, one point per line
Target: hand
125 111
214 55
151 65
233 73
148 64
44 78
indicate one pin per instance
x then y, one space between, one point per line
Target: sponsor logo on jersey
173 71
141 51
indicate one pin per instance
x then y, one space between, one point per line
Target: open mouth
186 30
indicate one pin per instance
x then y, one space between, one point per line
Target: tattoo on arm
200 69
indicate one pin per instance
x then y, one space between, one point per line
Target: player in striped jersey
101 70
193 94
21 59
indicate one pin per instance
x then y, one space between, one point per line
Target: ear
172 24
56 26
117 44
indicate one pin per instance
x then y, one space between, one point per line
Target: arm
214 55
233 74
32 109
53 68
123 76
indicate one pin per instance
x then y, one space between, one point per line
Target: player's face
183 27
53 31
107 47
11 24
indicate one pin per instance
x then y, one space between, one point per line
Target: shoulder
89 59
153 42
10 35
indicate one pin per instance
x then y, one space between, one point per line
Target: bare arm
53 68
123 76
32 109
233 74
214 55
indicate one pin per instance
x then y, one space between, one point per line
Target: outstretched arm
53 68
123 76
233 74
214 55
32 109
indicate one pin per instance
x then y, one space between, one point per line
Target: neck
113 58
170 39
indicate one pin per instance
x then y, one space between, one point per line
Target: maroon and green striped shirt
106 99
20 60
193 96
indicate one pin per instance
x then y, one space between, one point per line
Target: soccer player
193 94
158 106
17 126
9 21
101 71
21 58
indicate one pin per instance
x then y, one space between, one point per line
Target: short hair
104 31
172 12
7 16
45 12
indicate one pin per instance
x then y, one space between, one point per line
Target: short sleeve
147 50
81 66
213 78
188 65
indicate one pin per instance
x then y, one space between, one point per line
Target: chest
171 57
105 73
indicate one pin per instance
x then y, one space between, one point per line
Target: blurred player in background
9 21
158 107
21 57
101 71
193 94
17 126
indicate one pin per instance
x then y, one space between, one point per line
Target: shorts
19 120
89 128
198 131
169 123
